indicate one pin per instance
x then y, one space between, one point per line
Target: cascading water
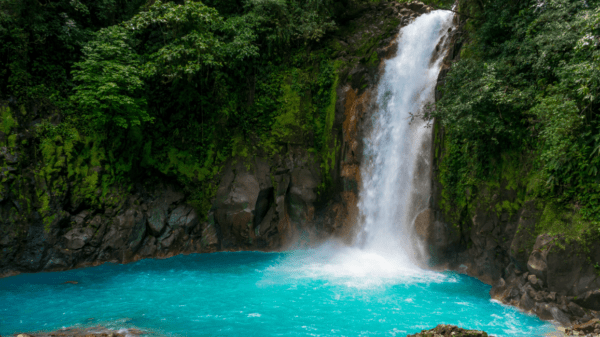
394 187
373 288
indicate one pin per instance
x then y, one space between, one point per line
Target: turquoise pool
331 291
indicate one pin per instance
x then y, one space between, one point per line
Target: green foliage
7 122
526 86
192 37
110 90
40 41
132 91
285 22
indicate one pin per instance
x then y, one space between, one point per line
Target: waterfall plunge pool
330 291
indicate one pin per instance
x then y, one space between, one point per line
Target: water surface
332 291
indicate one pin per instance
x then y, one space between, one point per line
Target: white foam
350 266
392 192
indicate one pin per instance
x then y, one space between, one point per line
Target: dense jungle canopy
126 91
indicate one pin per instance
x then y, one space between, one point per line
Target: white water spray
394 173
395 187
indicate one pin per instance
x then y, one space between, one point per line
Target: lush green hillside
124 92
520 112
100 94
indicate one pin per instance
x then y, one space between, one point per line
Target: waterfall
395 173
395 169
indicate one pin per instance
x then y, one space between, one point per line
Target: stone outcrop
258 206
444 330
556 282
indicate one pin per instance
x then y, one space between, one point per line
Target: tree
110 85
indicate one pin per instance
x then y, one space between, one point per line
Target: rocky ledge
444 330
589 329
555 286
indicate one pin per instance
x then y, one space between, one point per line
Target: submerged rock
444 330
97 331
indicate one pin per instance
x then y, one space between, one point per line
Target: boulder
498 290
537 264
78 237
564 267
526 303
549 312
543 310
588 278
156 219
302 194
559 316
100 225
589 300
575 310
415 6
587 327
512 294
159 208
56 263
209 238
243 194
535 283
138 232
183 216
79 219
444 330
175 236
148 247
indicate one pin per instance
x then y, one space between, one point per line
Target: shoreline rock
446 330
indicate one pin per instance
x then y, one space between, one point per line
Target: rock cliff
262 202
498 237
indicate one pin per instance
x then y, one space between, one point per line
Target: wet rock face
559 284
262 206
159 224
552 278
444 330
258 205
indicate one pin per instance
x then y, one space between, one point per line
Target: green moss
201 198
374 59
330 148
12 142
568 222
288 123
239 146
7 121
